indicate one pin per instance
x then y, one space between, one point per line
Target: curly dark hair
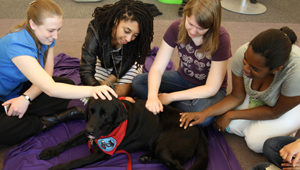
129 10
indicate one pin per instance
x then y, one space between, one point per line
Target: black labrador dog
160 135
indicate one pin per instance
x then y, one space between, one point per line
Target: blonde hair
37 11
208 14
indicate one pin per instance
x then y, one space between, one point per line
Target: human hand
222 122
18 106
291 152
104 83
191 119
130 99
102 92
154 105
289 166
164 98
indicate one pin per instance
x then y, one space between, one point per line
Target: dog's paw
146 157
47 154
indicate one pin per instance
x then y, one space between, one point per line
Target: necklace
113 59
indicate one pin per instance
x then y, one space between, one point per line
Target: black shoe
68 114
253 1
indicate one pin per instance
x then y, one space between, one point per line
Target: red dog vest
108 144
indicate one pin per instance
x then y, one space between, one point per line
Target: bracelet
110 84
27 97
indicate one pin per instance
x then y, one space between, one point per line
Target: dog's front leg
49 153
93 158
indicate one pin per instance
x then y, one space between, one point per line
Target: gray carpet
278 11
241 28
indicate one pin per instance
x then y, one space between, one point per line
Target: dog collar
108 144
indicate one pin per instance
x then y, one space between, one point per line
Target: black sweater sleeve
89 57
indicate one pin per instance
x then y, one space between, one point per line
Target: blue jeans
172 81
272 147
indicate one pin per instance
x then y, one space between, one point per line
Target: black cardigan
95 46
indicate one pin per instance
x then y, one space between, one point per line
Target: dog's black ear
86 118
122 112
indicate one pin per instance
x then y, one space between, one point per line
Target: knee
268 144
70 82
139 81
63 80
269 147
139 78
255 144
135 81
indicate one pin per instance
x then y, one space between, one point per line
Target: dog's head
104 116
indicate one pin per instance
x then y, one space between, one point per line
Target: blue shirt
13 45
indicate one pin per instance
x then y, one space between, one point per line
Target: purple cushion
150 59
25 155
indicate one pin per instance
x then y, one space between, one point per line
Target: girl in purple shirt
204 49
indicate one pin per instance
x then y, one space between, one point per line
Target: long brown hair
37 11
208 14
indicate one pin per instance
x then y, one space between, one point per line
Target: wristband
110 84
27 97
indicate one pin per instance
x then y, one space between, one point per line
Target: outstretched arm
283 105
231 101
40 78
157 69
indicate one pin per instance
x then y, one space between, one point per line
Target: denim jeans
172 81
272 146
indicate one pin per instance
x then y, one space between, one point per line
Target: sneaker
293 134
253 1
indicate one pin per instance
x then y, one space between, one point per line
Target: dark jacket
97 45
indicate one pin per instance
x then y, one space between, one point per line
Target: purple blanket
25 155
